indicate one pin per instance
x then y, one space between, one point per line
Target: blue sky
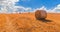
38 3
29 5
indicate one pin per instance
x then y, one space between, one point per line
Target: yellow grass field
26 22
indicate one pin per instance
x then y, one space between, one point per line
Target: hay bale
40 14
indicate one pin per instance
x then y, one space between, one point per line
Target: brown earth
26 22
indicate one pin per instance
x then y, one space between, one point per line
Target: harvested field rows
26 22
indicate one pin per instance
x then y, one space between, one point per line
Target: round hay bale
40 14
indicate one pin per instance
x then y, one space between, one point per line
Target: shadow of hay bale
45 20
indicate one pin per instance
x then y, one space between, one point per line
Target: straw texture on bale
40 14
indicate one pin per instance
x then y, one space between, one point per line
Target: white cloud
22 9
42 8
8 6
54 10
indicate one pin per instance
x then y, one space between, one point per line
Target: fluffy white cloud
54 10
22 9
8 6
42 8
